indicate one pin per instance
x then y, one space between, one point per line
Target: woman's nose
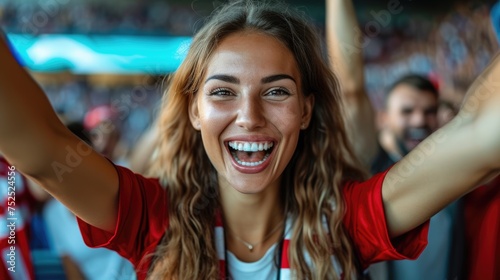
250 113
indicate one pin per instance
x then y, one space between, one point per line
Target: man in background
409 116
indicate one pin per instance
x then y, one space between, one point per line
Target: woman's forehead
252 53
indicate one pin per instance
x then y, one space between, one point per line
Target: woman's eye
278 93
220 92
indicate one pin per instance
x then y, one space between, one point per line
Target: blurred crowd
130 109
63 16
452 49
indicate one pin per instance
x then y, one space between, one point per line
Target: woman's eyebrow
224 78
277 77
234 80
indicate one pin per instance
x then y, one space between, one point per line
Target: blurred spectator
102 123
410 116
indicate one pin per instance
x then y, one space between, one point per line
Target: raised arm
34 140
345 48
449 163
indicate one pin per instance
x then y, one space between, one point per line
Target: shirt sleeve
142 220
366 223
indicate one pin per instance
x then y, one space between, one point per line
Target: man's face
411 115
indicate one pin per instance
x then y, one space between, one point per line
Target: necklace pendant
250 247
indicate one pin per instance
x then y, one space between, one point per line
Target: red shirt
482 231
143 218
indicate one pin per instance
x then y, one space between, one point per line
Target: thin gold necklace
251 246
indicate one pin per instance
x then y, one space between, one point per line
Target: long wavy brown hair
321 163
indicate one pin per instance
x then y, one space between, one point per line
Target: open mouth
250 153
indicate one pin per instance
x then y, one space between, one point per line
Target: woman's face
250 110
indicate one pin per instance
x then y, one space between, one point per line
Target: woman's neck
255 219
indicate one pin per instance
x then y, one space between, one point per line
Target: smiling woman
249 84
256 177
242 108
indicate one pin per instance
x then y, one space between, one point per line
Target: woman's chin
249 186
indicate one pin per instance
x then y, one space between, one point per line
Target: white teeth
250 146
244 163
255 147
246 147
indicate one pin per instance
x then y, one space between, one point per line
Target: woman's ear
194 115
307 111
